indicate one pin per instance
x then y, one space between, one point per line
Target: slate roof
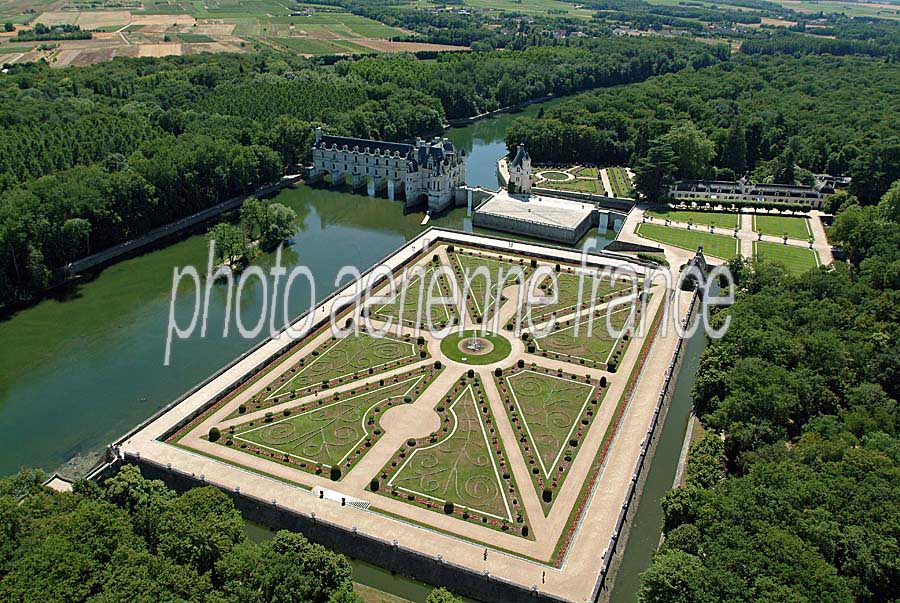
521 155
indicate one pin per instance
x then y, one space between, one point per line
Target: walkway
520 560
745 234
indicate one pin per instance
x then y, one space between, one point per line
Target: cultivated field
164 27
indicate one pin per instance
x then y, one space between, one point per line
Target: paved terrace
549 211
513 558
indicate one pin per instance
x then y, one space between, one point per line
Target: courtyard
502 446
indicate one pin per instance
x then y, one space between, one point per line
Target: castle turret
520 172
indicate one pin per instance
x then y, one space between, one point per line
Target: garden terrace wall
612 558
389 555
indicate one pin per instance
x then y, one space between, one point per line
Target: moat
86 367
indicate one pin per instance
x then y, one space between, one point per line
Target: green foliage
802 500
133 539
758 111
442 595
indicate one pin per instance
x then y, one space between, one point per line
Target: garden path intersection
527 452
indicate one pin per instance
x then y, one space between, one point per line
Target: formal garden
328 434
716 245
462 469
417 428
796 259
551 412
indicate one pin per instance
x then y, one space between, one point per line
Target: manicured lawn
450 347
405 305
594 350
621 184
705 218
795 226
554 175
483 288
330 430
588 172
459 466
715 245
584 186
567 286
551 414
796 259
338 360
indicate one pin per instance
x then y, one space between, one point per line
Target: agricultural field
704 218
778 226
796 259
716 245
170 27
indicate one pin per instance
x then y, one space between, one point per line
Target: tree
734 148
653 173
279 225
230 242
76 237
692 151
889 206
442 595
674 577
199 528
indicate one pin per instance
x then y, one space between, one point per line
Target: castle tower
520 172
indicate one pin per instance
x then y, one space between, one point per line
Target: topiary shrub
374 484
520 363
242 409
547 495
437 365
335 473
448 507
498 372
214 434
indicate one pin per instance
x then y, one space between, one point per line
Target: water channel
79 370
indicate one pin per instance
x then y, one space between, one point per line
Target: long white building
422 173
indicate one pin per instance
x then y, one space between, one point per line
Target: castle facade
422 173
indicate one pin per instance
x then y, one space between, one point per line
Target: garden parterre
498 455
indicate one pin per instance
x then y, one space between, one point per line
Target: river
79 370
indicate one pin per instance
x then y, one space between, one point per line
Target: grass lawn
796 259
499 348
551 413
404 306
329 430
481 288
460 466
715 245
795 226
555 175
567 286
705 218
594 350
588 172
621 184
336 361
584 186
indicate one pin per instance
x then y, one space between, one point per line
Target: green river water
79 370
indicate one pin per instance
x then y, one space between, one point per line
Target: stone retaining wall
612 558
389 555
